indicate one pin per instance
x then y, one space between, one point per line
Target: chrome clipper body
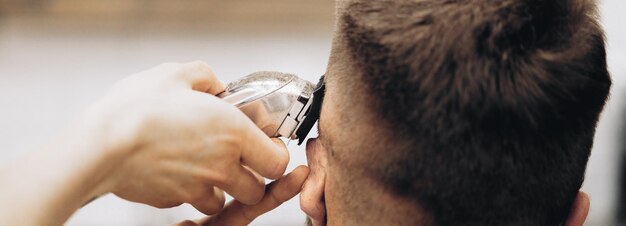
282 105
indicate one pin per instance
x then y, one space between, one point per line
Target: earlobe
312 194
579 210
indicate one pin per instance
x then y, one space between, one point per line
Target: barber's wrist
100 143
111 126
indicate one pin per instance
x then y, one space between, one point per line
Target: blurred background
58 56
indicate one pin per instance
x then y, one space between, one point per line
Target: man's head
457 112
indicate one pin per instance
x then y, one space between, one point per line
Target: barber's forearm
47 186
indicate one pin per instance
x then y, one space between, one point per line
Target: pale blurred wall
602 175
59 56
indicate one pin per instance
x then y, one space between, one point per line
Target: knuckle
238 125
210 202
167 70
242 137
215 206
275 201
258 195
206 200
201 65
184 71
197 66
248 215
223 180
216 176
191 193
230 140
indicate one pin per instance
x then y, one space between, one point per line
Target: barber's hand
171 141
238 214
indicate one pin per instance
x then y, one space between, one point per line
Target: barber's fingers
279 142
246 142
277 192
265 156
211 203
243 185
200 77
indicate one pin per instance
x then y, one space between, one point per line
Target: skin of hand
239 214
159 137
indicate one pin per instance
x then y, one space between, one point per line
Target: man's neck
357 203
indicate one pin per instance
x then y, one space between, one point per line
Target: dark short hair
494 103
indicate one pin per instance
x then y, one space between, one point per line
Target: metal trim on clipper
278 103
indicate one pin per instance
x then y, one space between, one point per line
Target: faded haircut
492 104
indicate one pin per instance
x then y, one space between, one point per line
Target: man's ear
312 194
579 211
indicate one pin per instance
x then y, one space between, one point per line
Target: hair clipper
282 105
